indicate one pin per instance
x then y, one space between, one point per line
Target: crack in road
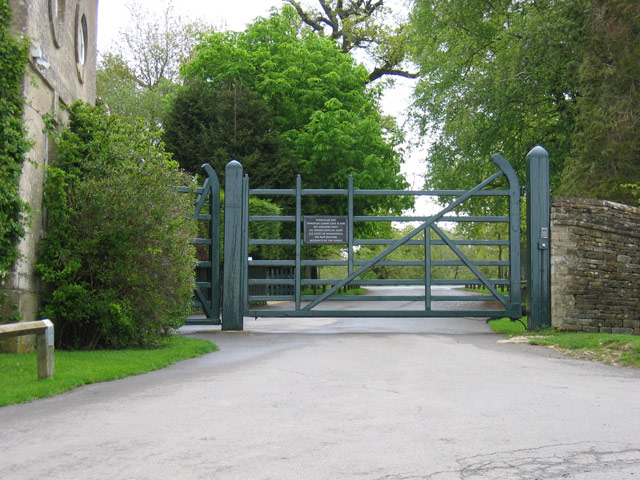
545 462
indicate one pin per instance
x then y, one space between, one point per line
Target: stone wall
595 266
61 69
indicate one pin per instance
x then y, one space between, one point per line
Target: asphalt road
339 399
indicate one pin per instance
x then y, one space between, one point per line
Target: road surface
340 399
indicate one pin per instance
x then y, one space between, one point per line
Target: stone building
62 69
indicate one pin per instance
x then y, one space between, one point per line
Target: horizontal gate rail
433 242
378 298
375 313
394 193
372 218
378 282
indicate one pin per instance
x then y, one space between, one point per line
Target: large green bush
13 142
117 254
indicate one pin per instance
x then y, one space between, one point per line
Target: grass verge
612 349
19 378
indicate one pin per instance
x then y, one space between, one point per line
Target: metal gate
206 297
238 302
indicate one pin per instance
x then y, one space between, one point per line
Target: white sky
113 17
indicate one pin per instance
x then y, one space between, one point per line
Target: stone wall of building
595 266
61 70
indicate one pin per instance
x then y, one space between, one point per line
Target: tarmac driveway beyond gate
340 399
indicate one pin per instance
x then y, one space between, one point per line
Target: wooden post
44 347
232 300
43 330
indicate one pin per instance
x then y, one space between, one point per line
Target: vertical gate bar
298 238
427 268
515 258
515 288
538 239
232 308
350 226
214 236
245 244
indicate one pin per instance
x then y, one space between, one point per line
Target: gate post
538 240
232 300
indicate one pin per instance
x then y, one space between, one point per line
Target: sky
235 15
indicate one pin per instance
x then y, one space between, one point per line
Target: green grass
505 326
19 379
607 348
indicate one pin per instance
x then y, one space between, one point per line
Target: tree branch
379 72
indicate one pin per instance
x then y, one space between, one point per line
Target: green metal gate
207 212
238 303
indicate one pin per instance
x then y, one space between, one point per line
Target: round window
81 41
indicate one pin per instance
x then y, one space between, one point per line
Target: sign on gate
325 230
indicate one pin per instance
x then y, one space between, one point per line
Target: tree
144 69
606 152
497 77
361 24
318 100
215 124
118 88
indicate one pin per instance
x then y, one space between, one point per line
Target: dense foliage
498 77
13 141
318 101
606 151
117 255
215 125
501 77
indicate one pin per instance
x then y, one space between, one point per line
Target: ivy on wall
13 140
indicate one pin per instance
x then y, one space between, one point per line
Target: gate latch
544 236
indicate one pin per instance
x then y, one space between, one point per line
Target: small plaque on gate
325 230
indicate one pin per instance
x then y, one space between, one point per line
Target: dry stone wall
595 266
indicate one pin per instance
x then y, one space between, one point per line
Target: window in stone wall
57 11
81 42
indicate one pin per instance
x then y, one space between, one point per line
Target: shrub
117 254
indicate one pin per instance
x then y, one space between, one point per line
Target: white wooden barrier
43 330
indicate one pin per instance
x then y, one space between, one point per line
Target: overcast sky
235 14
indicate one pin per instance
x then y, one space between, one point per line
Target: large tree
362 25
503 76
318 98
607 143
497 77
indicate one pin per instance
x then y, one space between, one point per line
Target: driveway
339 399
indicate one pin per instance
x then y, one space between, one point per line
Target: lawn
612 349
19 378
